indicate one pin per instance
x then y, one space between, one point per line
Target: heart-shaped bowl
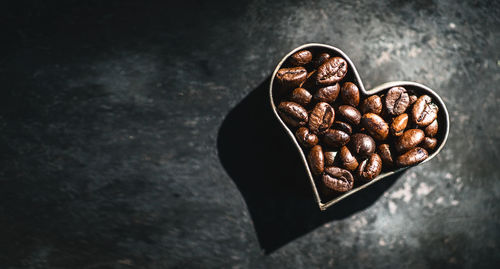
353 75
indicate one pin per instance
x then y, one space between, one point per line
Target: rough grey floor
138 136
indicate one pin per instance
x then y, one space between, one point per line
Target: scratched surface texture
139 135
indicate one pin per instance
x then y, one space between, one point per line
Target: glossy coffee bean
385 153
327 94
398 124
293 114
299 58
291 77
412 157
321 59
375 126
301 96
350 94
329 157
340 125
362 145
331 71
424 112
350 114
413 99
432 129
429 143
372 104
338 179
397 101
306 138
370 168
316 160
335 138
321 118
410 139
347 159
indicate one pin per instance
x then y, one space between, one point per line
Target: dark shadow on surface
261 159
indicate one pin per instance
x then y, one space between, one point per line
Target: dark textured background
137 135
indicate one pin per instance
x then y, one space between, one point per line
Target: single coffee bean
432 129
306 138
340 125
375 126
335 138
302 57
350 94
291 77
429 143
301 96
412 157
321 118
370 168
372 104
327 94
329 157
316 160
347 159
398 124
331 71
362 145
338 179
397 101
321 59
350 114
385 153
413 99
424 112
293 114
410 139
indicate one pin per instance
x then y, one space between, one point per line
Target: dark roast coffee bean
327 94
305 137
338 179
340 125
375 126
372 104
370 168
424 112
385 153
335 138
350 114
316 160
412 157
310 81
301 96
321 59
329 157
292 114
429 143
413 99
410 139
331 71
362 145
397 101
302 57
291 77
398 124
347 159
321 118
432 129
350 94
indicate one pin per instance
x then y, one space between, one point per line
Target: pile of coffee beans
349 139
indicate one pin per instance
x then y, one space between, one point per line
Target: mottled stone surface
139 136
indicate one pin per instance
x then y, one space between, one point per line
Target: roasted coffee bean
321 59
347 159
372 104
302 57
340 125
385 153
370 168
412 157
338 179
410 139
398 124
350 114
301 96
413 99
327 94
350 94
310 81
432 129
424 112
316 160
321 118
429 143
335 138
397 101
331 71
375 126
329 157
362 145
291 77
306 138
293 114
